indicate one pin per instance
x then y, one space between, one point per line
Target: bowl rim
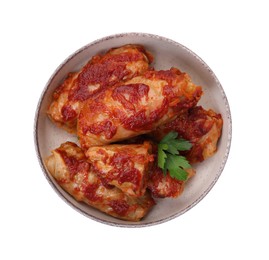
121 35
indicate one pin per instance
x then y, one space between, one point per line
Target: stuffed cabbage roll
136 107
125 166
69 166
102 71
201 127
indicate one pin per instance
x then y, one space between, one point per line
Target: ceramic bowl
167 53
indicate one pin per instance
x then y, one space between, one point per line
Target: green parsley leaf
161 157
169 158
170 136
183 145
172 147
174 164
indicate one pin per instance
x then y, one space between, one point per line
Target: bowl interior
167 54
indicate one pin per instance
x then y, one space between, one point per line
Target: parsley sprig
169 158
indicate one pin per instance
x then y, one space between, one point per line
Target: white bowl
167 53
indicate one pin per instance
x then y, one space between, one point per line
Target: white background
231 222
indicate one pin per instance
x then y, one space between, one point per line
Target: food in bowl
121 108
70 167
101 72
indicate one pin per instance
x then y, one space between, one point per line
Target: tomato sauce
68 113
73 164
140 121
90 192
129 95
104 72
124 169
191 125
167 75
120 207
105 127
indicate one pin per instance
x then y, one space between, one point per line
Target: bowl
167 53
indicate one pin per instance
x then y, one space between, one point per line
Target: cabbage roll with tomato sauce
199 126
102 71
136 107
125 166
70 168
